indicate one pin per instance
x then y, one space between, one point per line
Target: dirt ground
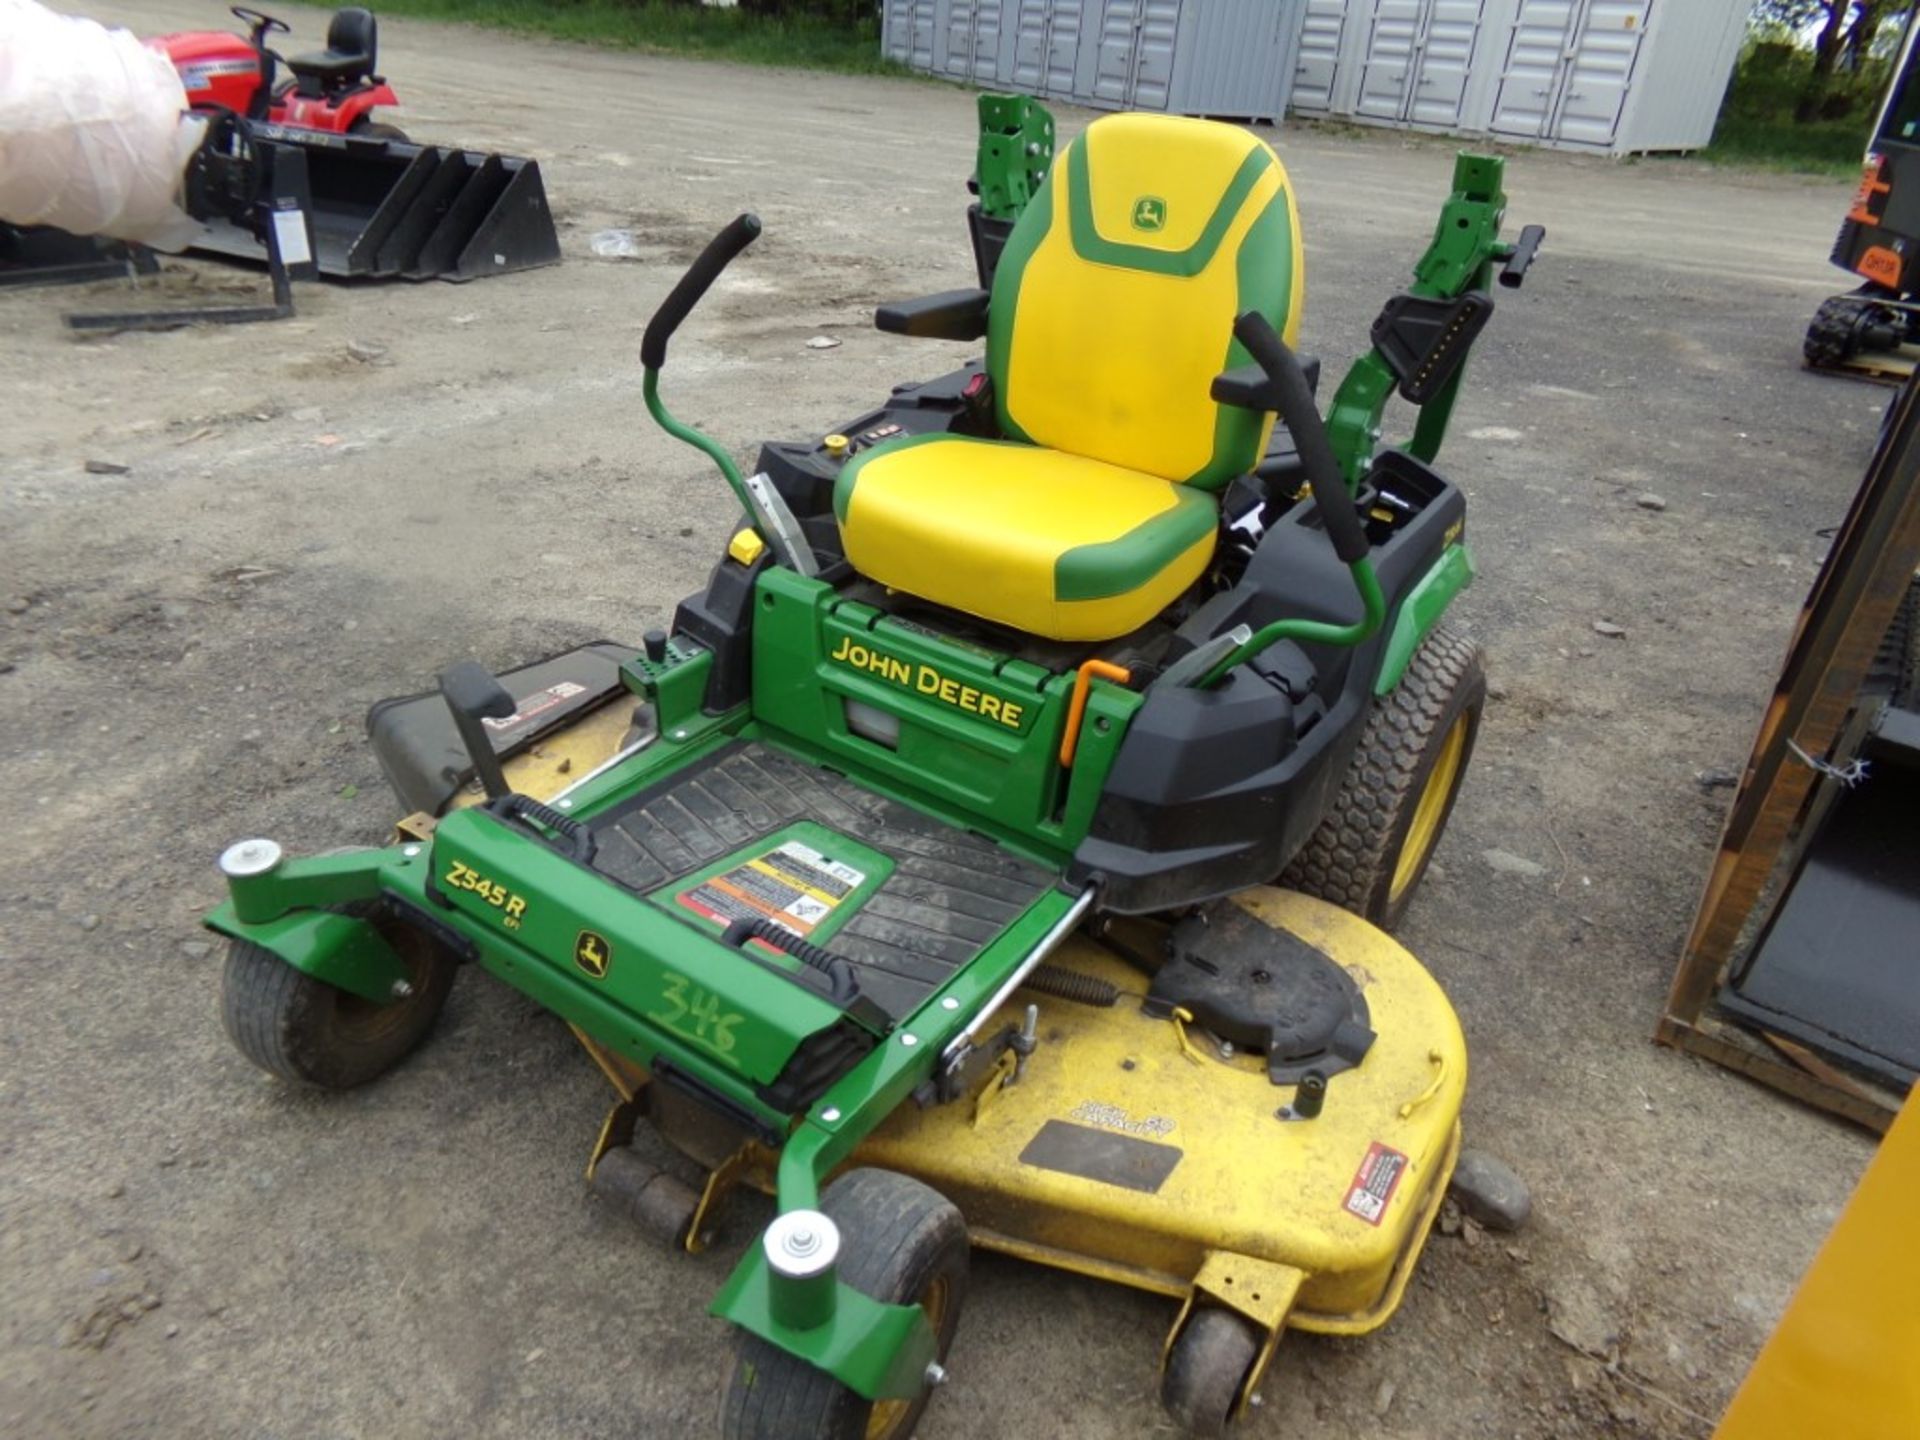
187 649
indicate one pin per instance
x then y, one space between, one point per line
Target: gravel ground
187 649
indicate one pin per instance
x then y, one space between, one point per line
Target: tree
1844 38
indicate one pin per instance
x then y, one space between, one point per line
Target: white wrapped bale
94 130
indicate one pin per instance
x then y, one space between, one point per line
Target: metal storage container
1231 58
1617 76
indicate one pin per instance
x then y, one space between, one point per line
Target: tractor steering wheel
254 20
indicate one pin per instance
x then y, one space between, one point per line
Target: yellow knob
746 546
836 446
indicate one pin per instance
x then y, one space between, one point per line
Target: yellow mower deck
1125 1153
1140 1150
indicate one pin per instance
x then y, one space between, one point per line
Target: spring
1064 984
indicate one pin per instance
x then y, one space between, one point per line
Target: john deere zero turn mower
966 865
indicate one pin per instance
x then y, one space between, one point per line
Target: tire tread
1349 859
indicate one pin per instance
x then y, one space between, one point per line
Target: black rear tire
374 130
1354 858
901 1243
311 1033
1206 1370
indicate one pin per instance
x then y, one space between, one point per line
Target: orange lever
1077 707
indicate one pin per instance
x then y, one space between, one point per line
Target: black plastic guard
1425 342
1266 990
420 751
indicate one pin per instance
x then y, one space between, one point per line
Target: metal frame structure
1861 584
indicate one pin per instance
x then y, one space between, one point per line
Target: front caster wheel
901 1243
1205 1371
312 1033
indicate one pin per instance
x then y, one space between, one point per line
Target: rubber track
1345 857
1829 341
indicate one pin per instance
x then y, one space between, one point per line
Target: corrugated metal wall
1195 57
1616 76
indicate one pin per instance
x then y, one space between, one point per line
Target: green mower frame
767 1036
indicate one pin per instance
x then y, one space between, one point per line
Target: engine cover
215 69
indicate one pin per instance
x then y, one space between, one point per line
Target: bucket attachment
42 255
386 208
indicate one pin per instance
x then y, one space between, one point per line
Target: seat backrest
1114 300
354 32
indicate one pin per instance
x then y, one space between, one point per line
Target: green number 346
696 1012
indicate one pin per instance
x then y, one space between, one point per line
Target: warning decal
1374 1183
794 885
534 705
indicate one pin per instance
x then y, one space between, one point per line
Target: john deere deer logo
1149 213
592 954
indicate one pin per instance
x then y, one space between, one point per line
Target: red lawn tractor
380 206
334 89
375 205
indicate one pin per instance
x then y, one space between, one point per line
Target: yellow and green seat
1111 313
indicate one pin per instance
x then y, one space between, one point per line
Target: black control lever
741 232
1302 418
473 695
1524 249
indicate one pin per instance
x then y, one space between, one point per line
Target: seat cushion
330 66
1054 544
1114 299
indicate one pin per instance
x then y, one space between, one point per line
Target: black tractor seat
352 41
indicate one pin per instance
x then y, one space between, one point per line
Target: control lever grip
741 232
1524 250
1309 432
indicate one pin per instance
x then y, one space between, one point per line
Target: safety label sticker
1374 1182
531 707
794 885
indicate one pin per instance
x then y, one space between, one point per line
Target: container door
1599 70
1445 60
1536 65
896 30
1387 73
1046 46
919 25
1152 80
973 40
1119 40
1321 31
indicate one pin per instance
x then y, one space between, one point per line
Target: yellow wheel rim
1431 811
887 1418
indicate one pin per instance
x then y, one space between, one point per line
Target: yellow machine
1845 1359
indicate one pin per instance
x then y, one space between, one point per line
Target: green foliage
1824 148
1774 76
836 35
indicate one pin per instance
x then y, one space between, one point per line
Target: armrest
1247 386
950 315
